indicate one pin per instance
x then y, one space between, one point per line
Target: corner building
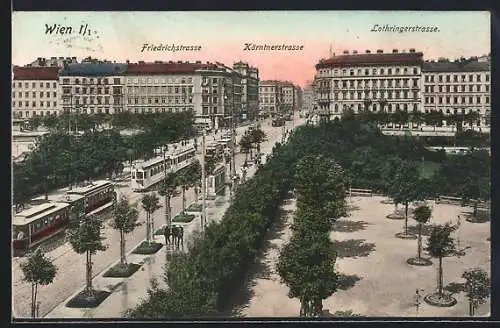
458 87
35 92
369 81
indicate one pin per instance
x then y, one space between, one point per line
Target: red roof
36 73
165 68
370 59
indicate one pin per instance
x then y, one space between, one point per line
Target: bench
360 192
448 200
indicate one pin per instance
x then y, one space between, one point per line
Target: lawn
428 168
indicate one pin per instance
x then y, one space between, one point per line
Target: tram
149 173
216 181
37 224
99 197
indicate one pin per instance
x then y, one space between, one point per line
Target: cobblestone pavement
71 266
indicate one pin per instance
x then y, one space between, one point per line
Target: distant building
277 97
52 62
460 86
250 90
369 81
92 87
308 99
35 91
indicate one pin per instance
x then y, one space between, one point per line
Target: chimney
380 51
198 62
354 52
158 62
179 62
394 51
346 52
53 57
412 50
141 62
368 51
170 62
127 61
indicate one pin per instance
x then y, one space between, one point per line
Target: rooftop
456 66
375 58
93 69
36 73
166 67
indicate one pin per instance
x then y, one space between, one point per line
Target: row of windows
161 89
33 85
457 88
205 110
359 95
370 71
34 94
92 90
456 100
43 223
92 81
143 80
456 78
159 110
33 104
28 113
372 83
94 101
162 100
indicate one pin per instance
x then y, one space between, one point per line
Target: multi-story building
35 91
250 90
270 97
308 99
52 62
211 90
458 87
289 96
375 82
92 87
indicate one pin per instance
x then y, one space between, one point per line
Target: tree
184 181
167 188
421 214
150 204
406 187
86 239
477 288
125 221
245 145
439 245
38 270
257 136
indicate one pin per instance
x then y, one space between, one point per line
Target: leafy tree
150 204
245 145
125 221
87 239
421 214
439 245
257 136
184 181
406 187
167 188
38 270
477 287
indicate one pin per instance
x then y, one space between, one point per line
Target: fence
360 192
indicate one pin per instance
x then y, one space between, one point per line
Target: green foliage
87 236
38 269
422 214
125 216
440 242
477 286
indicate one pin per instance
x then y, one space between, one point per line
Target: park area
374 277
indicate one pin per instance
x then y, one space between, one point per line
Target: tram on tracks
216 182
48 216
149 173
33 226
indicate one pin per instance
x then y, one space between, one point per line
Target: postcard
257 164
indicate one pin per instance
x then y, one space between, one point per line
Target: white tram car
146 174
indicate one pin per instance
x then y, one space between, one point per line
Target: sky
118 36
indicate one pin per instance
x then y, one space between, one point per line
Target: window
487 77
478 78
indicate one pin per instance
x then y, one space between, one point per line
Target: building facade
35 92
308 99
92 87
270 97
289 96
375 82
458 87
249 90
52 62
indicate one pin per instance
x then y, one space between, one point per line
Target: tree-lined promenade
63 158
218 260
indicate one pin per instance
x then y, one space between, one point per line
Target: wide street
71 266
